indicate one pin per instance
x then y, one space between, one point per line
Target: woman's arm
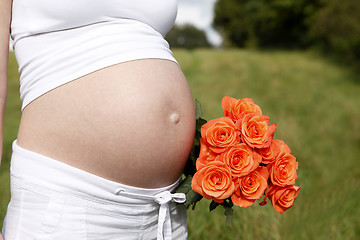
5 19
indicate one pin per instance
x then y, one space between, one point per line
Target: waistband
47 172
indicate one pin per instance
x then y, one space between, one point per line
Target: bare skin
132 123
5 16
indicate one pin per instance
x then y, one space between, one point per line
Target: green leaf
199 123
192 198
229 213
227 203
198 109
193 206
213 205
190 167
184 186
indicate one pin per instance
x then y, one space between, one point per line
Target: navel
175 118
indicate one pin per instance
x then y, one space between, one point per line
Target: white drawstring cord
163 199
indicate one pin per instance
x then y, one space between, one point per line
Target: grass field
316 105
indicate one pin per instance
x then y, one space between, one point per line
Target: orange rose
283 170
205 155
251 187
241 159
255 130
282 198
219 134
236 109
213 181
270 153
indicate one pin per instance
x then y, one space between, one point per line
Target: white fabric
58 41
52 200
162 198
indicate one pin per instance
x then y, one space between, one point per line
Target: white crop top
57 41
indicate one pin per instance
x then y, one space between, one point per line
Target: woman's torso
131 122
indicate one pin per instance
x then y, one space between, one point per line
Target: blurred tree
265 23
187 36
336 28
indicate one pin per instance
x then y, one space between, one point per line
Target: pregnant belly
132 123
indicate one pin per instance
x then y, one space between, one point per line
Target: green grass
11 123
316 105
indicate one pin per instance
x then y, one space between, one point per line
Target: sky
200 14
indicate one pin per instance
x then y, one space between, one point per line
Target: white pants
52 200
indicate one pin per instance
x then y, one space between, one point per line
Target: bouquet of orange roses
236 161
